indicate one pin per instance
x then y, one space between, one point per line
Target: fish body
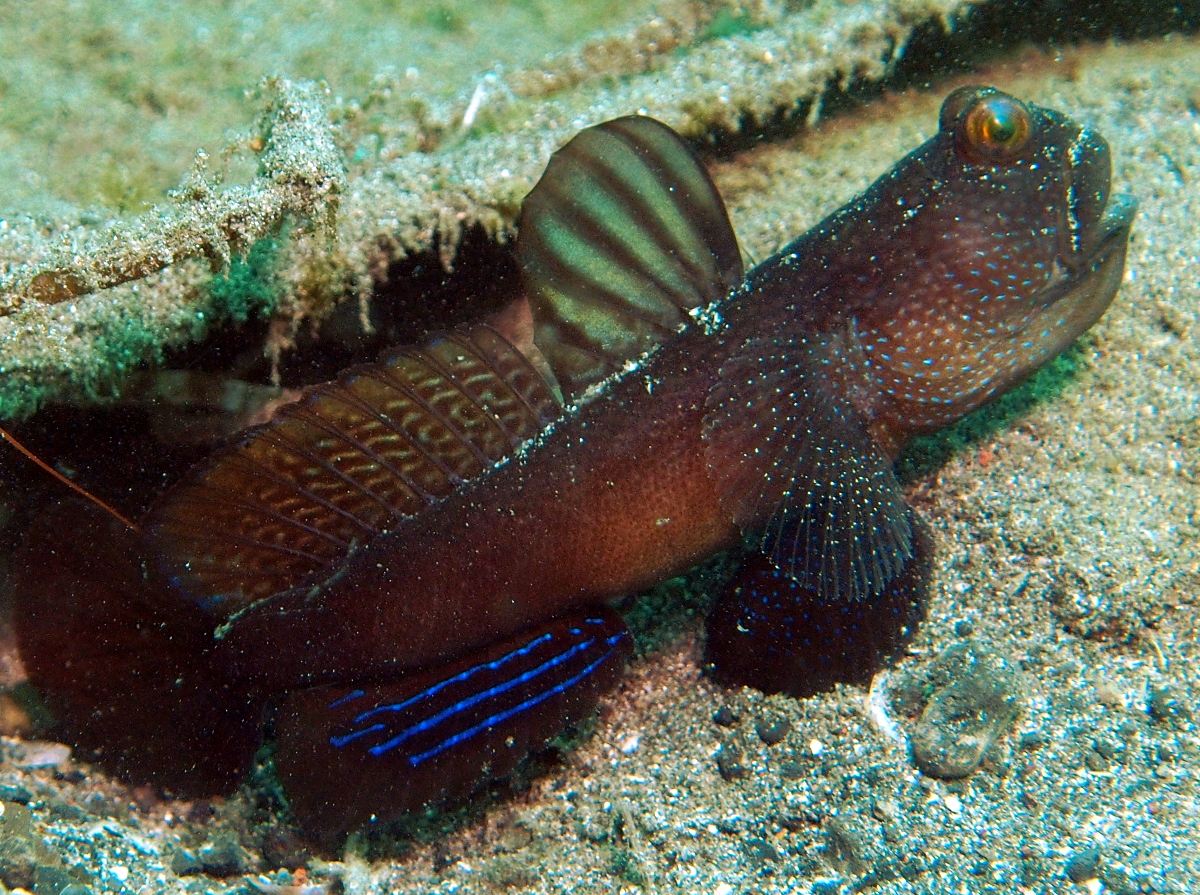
560 531
421 552
947 281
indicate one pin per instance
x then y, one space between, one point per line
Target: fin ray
346 461
800 474
349 754
624 234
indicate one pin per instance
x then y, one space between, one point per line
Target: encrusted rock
973 699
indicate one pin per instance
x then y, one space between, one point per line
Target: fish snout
1095 218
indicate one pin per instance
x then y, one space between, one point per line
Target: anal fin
349 755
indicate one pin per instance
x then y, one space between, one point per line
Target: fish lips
1092 222
1087 282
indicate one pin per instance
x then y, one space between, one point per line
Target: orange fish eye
995 129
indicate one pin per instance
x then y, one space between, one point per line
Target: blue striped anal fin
347 461
348 756
624 235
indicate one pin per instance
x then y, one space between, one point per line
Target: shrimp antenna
83 492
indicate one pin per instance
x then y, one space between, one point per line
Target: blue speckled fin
346 461
347 755
769 632
623 235
800 474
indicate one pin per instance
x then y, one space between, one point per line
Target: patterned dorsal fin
623 235
346 462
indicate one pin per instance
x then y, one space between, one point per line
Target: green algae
250 285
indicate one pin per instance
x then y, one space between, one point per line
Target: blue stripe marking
467 703
340 741
351 737
349 697
499 717
462 676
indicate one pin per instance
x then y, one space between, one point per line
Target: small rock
1095 762
18 794
1109 696
1167 707
973 702
725 717
223 857
843 850
773 732
34 754
760 852
792 770
1118 881
729 762
1084 866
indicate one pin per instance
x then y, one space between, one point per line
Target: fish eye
994 129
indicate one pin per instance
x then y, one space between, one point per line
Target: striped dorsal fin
345 462
623 235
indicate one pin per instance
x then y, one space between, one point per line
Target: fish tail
124 666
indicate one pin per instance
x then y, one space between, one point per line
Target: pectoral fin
801 476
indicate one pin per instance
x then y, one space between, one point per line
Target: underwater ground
1067 518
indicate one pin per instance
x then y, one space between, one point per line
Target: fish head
990 250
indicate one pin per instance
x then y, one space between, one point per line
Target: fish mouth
1086 288
1095 281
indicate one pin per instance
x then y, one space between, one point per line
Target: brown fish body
614 498
971 263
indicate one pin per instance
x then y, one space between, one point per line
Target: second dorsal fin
345 462
623 235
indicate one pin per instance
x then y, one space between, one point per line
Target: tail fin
125 666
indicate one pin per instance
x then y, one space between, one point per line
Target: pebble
1084 866
729 762
773 732
34 754
725 717
223 857
973 701
1167 707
